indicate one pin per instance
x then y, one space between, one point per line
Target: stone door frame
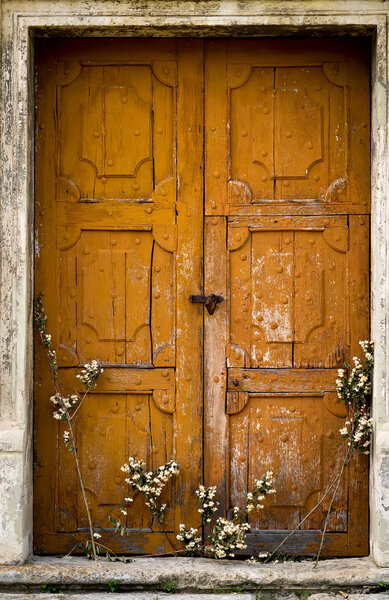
21 22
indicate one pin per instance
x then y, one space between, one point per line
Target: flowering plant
149 483
226 535
355 391
65 409
208 506
262 487
190 539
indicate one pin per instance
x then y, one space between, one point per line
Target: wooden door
118 252
119 249
286 243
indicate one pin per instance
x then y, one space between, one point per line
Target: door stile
189 378
215 267
359 294
216 129
215 417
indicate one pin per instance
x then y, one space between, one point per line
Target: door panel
119 251
298 127
289 291
286 243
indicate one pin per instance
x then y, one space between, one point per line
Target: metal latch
210 302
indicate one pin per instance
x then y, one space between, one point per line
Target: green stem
328 490
345 463
68 419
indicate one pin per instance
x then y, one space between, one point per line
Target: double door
172 168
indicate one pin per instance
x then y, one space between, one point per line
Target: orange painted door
120 219
287 194
118 252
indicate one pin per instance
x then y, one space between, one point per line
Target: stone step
185 576
178 596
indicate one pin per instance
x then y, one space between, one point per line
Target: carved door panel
287 245
119 123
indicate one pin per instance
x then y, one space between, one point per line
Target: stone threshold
185 596
200 575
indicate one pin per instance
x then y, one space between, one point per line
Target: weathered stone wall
21 21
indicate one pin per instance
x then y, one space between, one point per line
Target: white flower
96 535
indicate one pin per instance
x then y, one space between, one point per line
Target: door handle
210 302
